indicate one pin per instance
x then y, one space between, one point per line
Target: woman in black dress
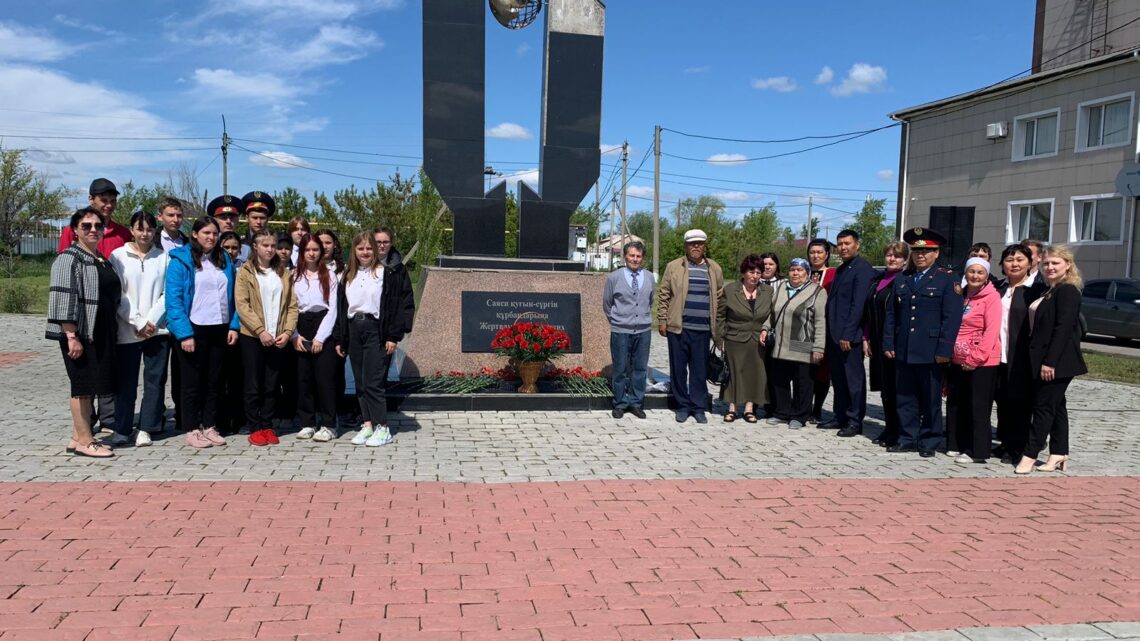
883 369
1014 386
82 304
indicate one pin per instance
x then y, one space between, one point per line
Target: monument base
498 262
436 342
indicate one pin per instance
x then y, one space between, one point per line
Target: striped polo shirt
696 313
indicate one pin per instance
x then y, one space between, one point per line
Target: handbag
716 369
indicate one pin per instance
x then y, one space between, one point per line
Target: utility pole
613 211
808 236
225 158
657 201
624 180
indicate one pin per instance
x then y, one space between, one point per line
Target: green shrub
17 298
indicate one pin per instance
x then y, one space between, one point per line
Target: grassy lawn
24 284
1113 367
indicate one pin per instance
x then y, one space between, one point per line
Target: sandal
94 450
749 417
729 417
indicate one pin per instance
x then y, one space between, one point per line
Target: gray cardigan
73 296
628 314
800 328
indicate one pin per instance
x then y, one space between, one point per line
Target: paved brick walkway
574 560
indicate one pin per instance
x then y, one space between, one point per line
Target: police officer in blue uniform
921 325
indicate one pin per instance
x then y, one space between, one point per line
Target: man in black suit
922 324
844 349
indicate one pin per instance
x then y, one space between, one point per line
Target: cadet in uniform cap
922 322
224 206
259 200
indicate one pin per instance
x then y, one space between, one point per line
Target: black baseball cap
102 186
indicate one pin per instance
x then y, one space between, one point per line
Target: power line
760 193
316 169
208 165
115 151
774 141
787 153
109 138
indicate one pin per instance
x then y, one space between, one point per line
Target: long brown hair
323 274
353 264
275 262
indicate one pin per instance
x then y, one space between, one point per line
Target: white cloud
297 10
862 78
727 160
698 69
509 131
813 197
87 26
522 49
885 174
228 84
782 84
641 191
528 176
18 43
333 44
731 196
279 160
825 76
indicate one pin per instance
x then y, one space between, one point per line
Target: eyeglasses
91 226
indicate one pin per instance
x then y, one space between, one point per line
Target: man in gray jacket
627 302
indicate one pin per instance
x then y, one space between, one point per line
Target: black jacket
397 307
1056 337
846 300
1017 341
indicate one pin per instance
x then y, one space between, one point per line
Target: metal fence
32 245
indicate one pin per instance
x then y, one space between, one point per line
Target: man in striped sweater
686 309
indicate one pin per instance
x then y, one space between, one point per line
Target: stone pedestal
435 342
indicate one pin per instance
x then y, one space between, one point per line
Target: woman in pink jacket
972 377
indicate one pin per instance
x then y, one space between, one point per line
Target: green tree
290 204
26 199
874 232
134 197
758 231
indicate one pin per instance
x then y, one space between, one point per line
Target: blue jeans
688 361
630 354
152 353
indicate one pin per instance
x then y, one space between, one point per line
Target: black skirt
93 373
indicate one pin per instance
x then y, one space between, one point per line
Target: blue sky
82 78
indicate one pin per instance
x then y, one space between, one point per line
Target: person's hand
340 351
317 347
867 349
1048 373
298 343
763 337
817 357
890 355
845 345
389 347
282 340
967 368
74 347
266 339
231 338
661 329
149 330
941 360
188 345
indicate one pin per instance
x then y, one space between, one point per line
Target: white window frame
1074 230
1010 236
1081 145
1019 137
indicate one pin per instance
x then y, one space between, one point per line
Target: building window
1035 135
1030 219
1097 219
1104 123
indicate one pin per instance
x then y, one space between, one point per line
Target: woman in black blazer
1054 359
1014 387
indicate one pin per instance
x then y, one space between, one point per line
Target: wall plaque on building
485 313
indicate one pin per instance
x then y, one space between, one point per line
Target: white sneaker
306 432
952 453
119 439
324 435
363 435
380 437
142 439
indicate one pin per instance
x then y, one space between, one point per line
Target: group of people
260 321
926 333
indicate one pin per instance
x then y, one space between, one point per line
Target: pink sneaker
195 438
211 434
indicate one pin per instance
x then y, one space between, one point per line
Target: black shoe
926 453
849 431
617 412
637 411
896 448
700 417
682 416
829 425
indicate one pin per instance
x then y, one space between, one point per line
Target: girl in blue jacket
201 316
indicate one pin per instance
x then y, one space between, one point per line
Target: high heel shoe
1023 470
1059 465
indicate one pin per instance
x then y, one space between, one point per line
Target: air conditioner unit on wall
997 130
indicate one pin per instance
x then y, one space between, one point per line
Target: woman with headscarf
799 327
972 376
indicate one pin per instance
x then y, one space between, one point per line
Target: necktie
635 286
917 277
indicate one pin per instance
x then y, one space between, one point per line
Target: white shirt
144 290
363 293
311 299
270 286
211 304
1006 302
170 242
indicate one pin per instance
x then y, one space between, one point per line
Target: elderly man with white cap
686 311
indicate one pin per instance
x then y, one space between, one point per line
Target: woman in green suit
743 312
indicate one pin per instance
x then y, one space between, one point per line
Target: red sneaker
271 436
258 438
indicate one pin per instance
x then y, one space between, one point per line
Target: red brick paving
589 561
8 359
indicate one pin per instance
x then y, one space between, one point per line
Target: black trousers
793 388
231 406
920 405
1050 418
890 397
819 390
262 372
369 368
287 395
175 378
316 376
968 408
202 376
1015 413
849 380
